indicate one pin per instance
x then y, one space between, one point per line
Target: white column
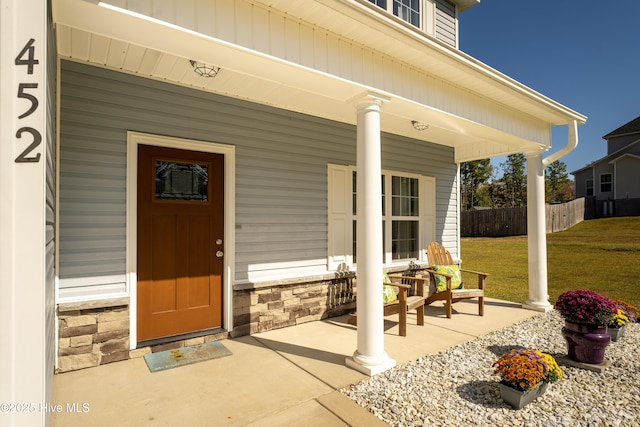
370 357
536 235
26 367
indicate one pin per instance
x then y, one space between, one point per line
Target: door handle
219 254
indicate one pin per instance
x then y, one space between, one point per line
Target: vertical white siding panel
345 59
378 71
368 68
164 10
407 78
206 17
292 40
144 7
307 46
395 84
422 93
186 14
225 19
244 29
320 44
333 55
277 35
357 69
260 38
123 4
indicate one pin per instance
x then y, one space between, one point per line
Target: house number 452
27 57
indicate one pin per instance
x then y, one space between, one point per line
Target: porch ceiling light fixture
203 69
419 125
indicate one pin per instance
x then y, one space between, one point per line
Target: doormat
185 356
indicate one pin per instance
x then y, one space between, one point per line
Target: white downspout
536 228
572 143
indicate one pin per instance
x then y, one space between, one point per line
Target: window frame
389 218
588 187
605 183
426 10
341 226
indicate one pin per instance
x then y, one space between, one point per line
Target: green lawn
602 255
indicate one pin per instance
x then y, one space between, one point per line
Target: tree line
481 186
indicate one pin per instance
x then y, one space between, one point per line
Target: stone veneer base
94 333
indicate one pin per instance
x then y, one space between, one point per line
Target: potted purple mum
586 314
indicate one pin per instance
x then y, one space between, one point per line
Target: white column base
370 366
543 307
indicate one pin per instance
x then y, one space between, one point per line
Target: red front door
180 237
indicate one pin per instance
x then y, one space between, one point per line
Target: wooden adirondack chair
403 304
438 255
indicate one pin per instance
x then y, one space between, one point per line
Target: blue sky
584 54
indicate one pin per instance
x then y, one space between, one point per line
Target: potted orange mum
525 375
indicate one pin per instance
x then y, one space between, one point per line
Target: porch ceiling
150 48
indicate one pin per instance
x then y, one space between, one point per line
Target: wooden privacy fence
503 222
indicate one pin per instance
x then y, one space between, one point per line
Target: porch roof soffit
155 49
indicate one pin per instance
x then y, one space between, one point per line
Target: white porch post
370 357
537 237
26 359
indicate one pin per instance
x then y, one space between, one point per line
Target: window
407 10
404 218
438 18
181 181
605 183
408 216
588 187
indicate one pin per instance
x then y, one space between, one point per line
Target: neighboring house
610 184
143 203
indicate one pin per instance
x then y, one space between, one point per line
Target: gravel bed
457 387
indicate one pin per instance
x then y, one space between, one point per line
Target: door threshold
173 338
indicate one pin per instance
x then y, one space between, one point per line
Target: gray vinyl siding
446 22
580 179
617 143
625 179
405 155
281 169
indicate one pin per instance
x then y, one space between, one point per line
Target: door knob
219 254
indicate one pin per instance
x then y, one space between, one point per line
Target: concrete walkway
285 377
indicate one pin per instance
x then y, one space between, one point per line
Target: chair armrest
418 280
401 286
475 272
482 277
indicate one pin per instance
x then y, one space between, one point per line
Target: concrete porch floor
285 377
